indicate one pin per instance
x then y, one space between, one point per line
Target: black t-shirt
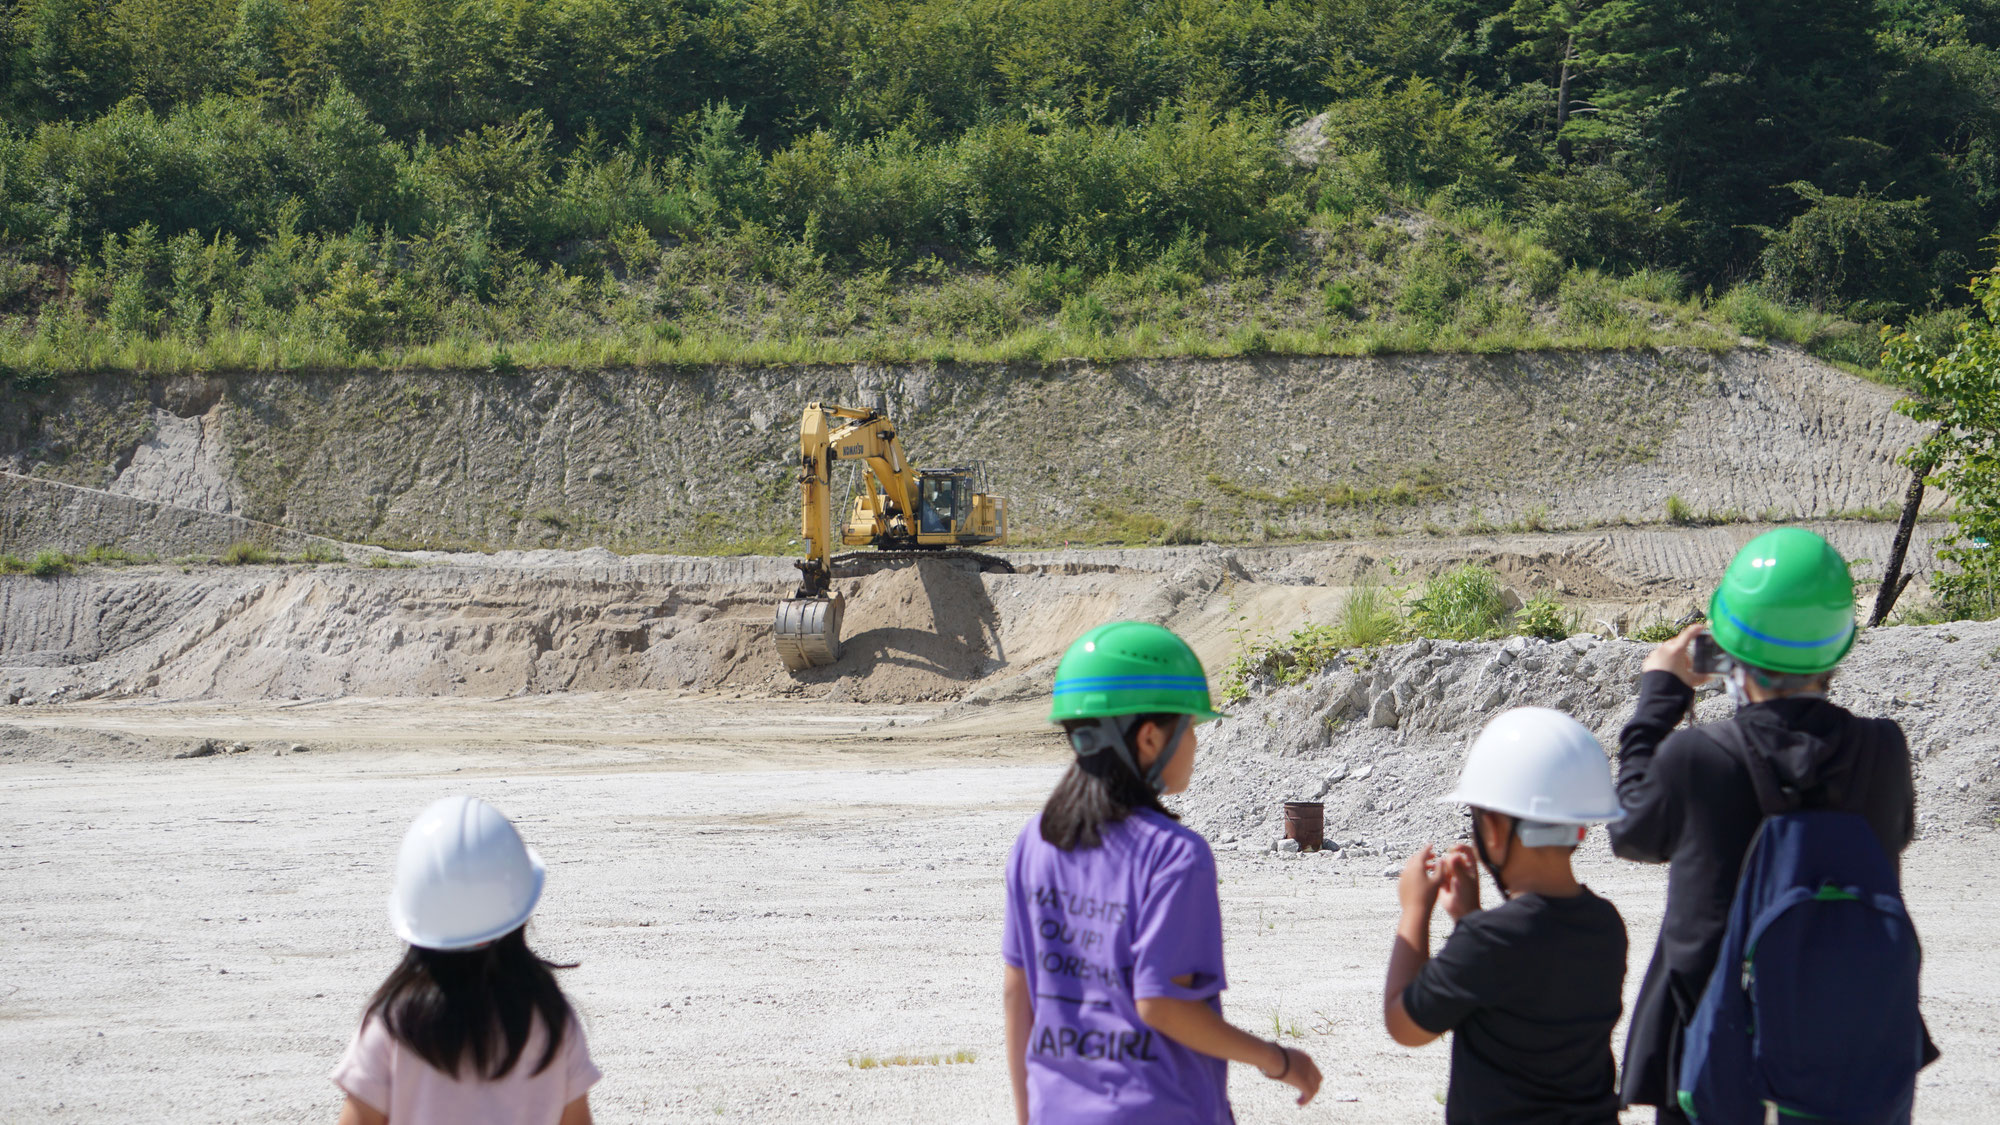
1531 990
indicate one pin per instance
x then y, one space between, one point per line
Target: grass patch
317 552
875 1062
245 553
49 564
391 562
105 555
1462 604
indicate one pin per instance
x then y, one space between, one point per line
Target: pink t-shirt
392 1080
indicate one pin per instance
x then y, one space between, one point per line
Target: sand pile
1381 737
915 633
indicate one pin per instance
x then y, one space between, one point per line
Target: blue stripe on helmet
1837 638
1128 683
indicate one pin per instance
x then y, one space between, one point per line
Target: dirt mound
916 633
1381 737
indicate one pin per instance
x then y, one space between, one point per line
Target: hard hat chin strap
1485 859
1114 733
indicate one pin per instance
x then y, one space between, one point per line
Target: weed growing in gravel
1369 617
1545 617
1678 511
390 562
1462 604
1657 632
321 553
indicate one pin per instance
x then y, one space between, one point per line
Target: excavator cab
944 498
953 509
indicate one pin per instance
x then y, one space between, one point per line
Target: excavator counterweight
910 512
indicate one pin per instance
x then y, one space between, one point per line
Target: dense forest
273 182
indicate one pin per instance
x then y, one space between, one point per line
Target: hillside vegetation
259 183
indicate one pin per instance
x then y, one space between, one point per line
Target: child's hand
1300 1073
1418 888
1461 881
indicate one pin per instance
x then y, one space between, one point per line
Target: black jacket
1689 803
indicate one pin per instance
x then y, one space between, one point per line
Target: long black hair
474 1005
1098 790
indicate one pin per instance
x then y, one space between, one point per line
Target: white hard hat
463 878
1538 765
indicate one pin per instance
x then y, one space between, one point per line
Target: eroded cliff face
703 459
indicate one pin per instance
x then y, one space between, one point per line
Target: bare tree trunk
1562 100
1894 581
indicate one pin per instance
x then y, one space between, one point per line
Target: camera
1707 656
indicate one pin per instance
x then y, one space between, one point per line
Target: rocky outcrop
1224 449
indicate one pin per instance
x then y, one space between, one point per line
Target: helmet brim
1454 797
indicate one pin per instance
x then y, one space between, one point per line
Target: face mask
1733 682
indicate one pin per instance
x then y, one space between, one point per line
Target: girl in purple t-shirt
1113 938
471 1028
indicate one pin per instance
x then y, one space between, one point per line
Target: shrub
1423 137
1594 216
1678 511
1844 248
1437 275
1462 604
1543 616
1659 632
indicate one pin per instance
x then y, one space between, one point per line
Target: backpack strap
1774 795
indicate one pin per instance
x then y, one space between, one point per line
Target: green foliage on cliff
188 183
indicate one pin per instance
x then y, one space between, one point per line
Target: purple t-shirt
1095 930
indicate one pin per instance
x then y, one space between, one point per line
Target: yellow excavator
904 513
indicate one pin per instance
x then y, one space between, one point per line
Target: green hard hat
1786 603
1130 668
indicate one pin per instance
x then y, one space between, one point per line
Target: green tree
1954 387
1725 103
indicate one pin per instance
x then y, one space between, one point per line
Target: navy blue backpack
1811 1012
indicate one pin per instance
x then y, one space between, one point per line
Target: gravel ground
760 897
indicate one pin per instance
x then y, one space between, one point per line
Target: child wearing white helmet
471 1027
1531 988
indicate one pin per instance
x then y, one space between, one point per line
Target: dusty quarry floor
762 896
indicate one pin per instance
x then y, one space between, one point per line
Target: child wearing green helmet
1113 933
1779 622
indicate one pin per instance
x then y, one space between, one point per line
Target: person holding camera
1779 623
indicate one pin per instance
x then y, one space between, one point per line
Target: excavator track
855 563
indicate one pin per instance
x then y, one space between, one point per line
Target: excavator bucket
808 632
